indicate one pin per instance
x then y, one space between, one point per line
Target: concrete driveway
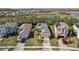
19 47
62 45
46 43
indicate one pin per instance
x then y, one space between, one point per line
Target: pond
75 15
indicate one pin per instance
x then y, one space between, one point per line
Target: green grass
10 41
73 42
33 41
6 19
54 42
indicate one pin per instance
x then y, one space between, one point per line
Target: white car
76 29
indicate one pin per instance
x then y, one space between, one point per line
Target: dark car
23 40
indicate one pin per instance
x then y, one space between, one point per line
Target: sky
39 3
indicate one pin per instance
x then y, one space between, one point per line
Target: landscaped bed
53 40
73 42
10 41
33 41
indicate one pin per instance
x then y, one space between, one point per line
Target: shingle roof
44 30
13 24
26 28
62 25
62 29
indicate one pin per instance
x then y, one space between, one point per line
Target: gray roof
61 25
12 24
5 25
44 30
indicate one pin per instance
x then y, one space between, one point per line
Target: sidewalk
19 47
46 42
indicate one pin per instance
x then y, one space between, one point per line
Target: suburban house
44 35
12 27
61 32
25 30
76 29
8 28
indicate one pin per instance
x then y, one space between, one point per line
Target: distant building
75 15
25 30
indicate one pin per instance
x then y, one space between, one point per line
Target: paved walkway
46 43
62 45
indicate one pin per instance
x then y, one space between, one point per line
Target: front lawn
10 41
73 42
35 41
